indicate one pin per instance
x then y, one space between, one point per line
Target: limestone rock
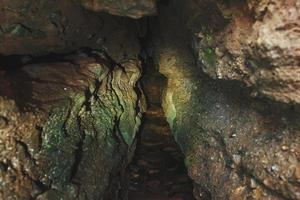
231 141
68 129
253 42
68 121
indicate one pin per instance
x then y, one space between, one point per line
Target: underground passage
149 100
157 170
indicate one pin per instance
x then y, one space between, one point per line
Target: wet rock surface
235 146
230 96
52 145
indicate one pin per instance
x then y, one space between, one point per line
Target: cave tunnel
149 100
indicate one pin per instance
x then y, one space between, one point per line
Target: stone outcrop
253 42
68 127
235 146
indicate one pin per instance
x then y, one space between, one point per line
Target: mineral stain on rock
75 149
148 99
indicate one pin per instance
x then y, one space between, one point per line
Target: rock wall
68 129
43 27
253 42
68 120
235 146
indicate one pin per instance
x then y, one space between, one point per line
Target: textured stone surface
68 130
250 41
235 146
41 27
130 8
68 123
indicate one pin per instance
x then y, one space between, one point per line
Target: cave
157 170
149 100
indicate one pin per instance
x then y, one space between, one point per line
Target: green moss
97 125
209 57
61 135
52 131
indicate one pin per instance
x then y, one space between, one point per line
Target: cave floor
157 171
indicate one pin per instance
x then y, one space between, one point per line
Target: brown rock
129 8
204 113
260 50
48 122
38 28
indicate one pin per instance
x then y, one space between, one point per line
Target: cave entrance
157 171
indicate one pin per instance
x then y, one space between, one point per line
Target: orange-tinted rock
258 44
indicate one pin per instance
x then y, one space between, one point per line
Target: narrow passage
157 171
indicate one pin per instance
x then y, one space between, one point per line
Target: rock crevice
225 77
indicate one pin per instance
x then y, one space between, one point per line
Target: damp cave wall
68 124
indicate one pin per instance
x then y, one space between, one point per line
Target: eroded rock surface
235 146
74 131
43 27
253 42
68 123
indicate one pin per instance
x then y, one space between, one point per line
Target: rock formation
254 42
43 27
77 133
71 103
235 146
